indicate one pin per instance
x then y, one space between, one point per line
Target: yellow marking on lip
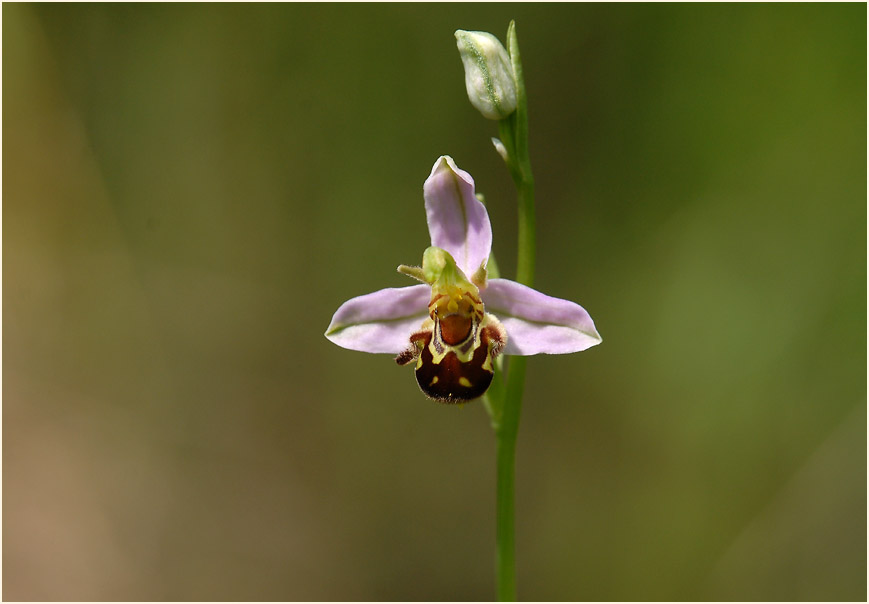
464 382
434 381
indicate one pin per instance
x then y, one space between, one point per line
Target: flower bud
488 74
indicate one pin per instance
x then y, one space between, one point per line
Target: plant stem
507 421
514 136
505 434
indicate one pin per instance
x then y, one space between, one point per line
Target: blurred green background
190 191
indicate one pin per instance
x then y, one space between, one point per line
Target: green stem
514 135
527 232
505 433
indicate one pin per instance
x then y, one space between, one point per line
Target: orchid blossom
458 321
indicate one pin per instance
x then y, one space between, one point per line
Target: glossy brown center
455 329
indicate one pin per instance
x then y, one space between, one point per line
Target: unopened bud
488 74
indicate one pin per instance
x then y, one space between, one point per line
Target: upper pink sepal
457 220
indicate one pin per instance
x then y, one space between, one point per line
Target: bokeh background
190 191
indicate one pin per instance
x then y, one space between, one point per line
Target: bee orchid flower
457 321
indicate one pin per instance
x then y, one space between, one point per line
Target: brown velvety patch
452 381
